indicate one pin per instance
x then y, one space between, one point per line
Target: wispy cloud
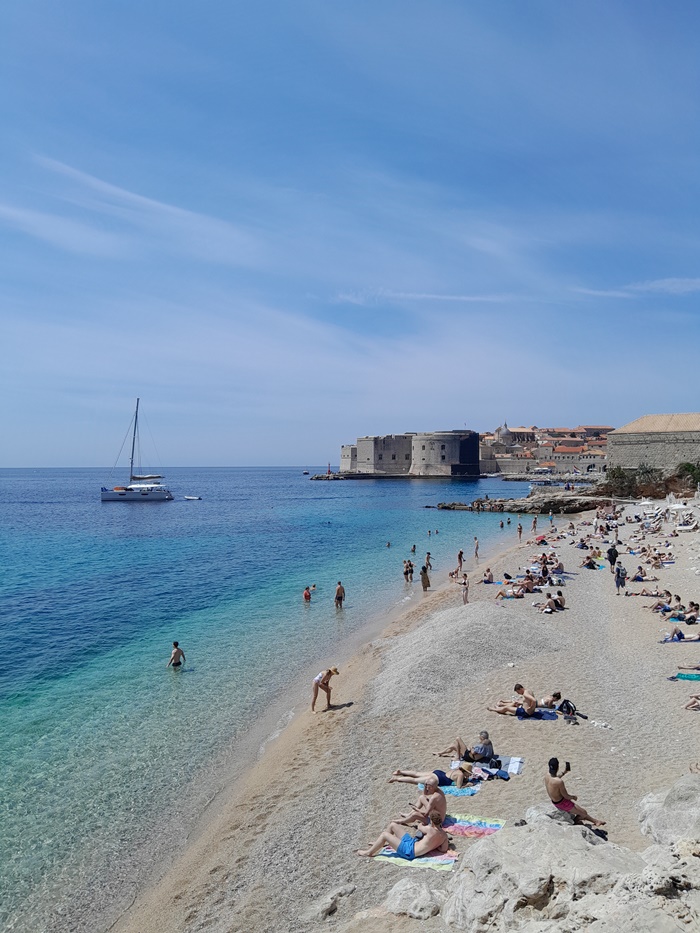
138 224
676 286
62 232
603 292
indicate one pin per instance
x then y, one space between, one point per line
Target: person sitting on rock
560 797
433 838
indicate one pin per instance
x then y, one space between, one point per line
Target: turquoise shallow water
98 739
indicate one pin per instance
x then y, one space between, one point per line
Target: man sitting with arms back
528 704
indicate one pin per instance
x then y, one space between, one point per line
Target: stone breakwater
537 504
551 876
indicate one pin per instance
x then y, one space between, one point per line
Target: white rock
675 814
414 899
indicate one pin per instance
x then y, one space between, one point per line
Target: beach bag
495 763
567 708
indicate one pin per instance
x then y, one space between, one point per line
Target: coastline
283 837
283 722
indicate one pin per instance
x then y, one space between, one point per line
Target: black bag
495 763
567 708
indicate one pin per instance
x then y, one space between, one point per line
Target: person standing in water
339 595
476 549
428 562
424 578
520 532
177 657
460 560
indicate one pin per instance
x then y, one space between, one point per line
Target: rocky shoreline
560 503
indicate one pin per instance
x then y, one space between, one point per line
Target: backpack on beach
567 708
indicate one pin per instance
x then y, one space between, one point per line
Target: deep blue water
92 595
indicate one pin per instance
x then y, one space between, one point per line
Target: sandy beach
286 834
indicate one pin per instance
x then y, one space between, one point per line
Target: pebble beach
285 834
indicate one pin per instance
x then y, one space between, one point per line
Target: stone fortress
467 453
437 453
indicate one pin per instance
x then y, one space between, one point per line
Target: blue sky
284 225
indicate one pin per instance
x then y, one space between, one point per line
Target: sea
108 758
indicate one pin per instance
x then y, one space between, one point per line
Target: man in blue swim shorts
433 839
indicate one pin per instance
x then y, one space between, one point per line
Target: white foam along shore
277 841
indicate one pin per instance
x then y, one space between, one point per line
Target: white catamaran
140 488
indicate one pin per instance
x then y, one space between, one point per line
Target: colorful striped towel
471 826
439 861
467 791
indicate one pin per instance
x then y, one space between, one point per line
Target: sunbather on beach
589 564
694 702
677 634
430 800
510 594
560 797
689 616
663 603
551 701
455 777
548 606
488 576
559 600
482 751
692 667
433 838
528 704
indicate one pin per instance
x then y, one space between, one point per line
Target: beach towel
510 764
683 676
439 861
464 824
467 791
538 714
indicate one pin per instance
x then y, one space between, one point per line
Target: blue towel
682 676
538 714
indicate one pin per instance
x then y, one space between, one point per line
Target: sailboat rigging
140 488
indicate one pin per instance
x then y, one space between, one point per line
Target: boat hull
138 494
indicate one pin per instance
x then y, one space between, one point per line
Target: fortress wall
662 451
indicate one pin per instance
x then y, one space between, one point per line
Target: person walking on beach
520 532
559 795
460 560
612 557
322 681
476 549
177 657
339 595
534 523
424 578
620 578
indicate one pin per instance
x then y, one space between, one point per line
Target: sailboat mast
133 440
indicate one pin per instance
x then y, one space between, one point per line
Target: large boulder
673 814
414 898
550 877
532 874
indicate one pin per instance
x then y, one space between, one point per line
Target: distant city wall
662 451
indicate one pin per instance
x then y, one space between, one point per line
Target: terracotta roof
569 450
661 424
